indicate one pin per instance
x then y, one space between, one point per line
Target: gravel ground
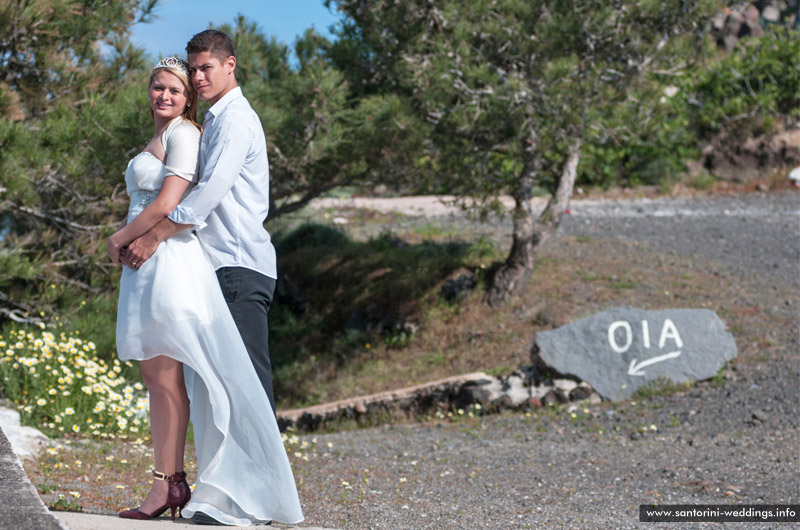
742 233
734 441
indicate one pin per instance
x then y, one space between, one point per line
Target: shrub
743 93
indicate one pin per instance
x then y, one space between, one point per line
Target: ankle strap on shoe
177 477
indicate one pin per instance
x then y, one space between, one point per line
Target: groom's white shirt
231 201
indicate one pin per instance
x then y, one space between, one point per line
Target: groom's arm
226 146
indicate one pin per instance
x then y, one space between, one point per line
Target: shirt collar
217 108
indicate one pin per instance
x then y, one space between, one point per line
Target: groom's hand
139 251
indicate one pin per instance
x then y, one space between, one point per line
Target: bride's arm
168 198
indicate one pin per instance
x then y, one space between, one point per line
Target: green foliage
69 120
744 92
49 48
64 504
64 194
654 151
738 95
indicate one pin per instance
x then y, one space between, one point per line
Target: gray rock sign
622 349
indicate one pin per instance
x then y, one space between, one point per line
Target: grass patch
660 387
498 371
65 504
703 181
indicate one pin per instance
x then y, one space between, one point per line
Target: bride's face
168 96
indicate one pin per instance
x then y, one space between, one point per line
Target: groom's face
211 77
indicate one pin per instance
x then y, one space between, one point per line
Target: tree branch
53 218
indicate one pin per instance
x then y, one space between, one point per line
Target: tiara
172 62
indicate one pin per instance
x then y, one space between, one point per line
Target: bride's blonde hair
180 69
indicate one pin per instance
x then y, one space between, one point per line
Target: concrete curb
20 505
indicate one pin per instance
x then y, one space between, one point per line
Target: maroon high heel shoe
178 494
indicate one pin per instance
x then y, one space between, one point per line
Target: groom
228 206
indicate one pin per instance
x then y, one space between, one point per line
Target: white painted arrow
636 369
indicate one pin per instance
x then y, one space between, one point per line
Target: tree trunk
530 233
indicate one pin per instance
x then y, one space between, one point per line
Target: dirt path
731 441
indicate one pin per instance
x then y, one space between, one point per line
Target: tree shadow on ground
336 296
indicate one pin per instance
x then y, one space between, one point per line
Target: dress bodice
143 180
146 173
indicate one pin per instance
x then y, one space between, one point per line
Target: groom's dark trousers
249 295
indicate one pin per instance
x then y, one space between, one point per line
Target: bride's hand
114 251
140 250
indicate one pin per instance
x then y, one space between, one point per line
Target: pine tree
510 88
72 94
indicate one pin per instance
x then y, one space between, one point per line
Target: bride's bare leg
169 418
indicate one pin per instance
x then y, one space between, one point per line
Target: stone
565 385
540 391
753 158
554 397
751 14
794 176
483 391
621 349
517 391
26 442
535 402
527 373
581 392
718 21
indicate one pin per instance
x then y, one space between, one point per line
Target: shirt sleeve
182 146
226 150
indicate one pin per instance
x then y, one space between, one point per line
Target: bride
172 317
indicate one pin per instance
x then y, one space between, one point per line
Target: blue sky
178 20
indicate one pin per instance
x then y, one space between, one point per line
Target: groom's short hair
213 41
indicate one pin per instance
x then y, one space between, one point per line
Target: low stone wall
517 390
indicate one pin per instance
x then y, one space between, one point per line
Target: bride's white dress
173 306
